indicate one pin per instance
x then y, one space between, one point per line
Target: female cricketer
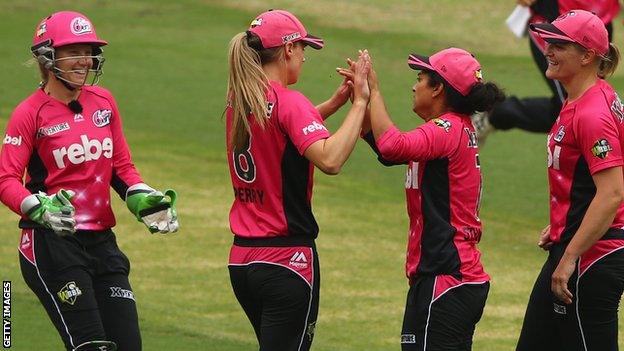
574 302
274 138
448 285
68 137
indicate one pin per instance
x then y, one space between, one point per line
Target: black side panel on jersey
37 174
547 8
582 193
370 139
119 186
439 254
295 180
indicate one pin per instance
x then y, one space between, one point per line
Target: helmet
66 28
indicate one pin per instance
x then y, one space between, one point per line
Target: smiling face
564 61
74 62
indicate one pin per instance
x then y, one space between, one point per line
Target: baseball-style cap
576 26
278 27
458 67
64 28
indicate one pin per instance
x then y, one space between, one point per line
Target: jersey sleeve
432 140
125 173
17 148
599 140
300 120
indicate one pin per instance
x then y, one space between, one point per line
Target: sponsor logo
291 37
479 75
270 106
80 26
89 150
617 108
408 339
315 126
472 234
6 314
256 22
310 330
47 131
42 29
9 140
601 149
299 260
101 117
442 123
78 117
121 293
69 293
25 244
559 309
473 141
560 134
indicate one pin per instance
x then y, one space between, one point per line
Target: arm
597 220
330 154
379 118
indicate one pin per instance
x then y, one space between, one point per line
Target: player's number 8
244 163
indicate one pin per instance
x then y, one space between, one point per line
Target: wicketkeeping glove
153 208
52 211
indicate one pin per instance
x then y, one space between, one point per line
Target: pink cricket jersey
586 138
443 190
59 149
271 179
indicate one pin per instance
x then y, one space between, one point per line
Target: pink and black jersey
586 138
443 190
56 148
271 179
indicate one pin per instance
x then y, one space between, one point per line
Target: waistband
276 241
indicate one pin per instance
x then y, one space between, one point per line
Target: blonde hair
247 84
609 62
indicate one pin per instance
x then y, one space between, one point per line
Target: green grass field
166 65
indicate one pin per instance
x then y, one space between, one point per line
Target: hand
342 93
153 208
526 3
560 277
361 68
55 212
544 240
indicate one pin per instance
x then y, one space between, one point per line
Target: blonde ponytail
609 62
246 92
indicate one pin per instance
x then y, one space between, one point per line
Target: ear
438 90
588 57
289 50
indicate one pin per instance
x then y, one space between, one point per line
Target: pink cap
278 27
64 28
458 67
578 26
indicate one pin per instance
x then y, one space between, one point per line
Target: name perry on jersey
89 150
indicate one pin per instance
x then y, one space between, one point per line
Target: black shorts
82 282
590 322
278 288
444 322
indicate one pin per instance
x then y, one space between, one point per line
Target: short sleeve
432 140
300 120
599 140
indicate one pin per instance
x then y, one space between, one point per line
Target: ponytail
609 62
482 96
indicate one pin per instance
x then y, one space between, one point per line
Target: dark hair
482 96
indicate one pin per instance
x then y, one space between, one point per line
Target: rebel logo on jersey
89 150
315 126
9 140
101 117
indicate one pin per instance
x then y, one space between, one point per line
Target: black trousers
444 323
534 114
82 282
281 306
590 323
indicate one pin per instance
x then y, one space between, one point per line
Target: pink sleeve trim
605 165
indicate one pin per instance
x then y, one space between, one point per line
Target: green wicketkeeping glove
153 208
54 211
